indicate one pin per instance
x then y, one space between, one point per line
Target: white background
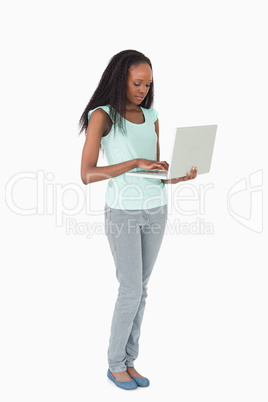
204 334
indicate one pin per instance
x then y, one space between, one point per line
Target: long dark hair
112 88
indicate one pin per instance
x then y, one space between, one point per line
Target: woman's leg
152 233
124 236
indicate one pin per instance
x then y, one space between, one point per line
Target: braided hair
112 89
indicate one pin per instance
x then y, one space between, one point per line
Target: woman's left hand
189 176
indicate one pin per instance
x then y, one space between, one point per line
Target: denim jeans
135 237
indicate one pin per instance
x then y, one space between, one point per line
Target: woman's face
138 83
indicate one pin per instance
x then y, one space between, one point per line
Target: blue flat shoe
124 385
141 382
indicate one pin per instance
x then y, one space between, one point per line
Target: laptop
192 146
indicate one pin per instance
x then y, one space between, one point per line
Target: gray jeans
135 237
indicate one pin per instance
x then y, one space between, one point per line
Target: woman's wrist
172 181
136 162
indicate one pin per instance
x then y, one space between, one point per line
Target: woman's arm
90 173
189 176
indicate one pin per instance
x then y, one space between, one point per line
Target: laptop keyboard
161 172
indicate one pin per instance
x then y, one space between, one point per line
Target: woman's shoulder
152 113
102 107
102 110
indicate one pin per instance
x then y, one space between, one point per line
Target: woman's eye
138 84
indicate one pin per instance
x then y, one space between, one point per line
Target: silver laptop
192 146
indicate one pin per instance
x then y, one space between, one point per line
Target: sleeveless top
140 141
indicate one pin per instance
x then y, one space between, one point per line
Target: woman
120 119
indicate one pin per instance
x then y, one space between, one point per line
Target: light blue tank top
140 141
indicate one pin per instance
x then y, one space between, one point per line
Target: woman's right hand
148 164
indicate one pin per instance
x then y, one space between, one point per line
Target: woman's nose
142 90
